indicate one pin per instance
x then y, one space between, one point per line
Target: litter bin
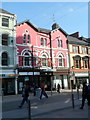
38 92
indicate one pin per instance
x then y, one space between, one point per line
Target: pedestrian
55 86
25 95
88 95
84 94
35 87
43 91
58 88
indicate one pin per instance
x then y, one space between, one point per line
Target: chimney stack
55 26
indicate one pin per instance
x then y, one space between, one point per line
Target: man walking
84 94
58 88
25 95
43 91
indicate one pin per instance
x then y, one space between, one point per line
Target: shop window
5 22
4 59
5 39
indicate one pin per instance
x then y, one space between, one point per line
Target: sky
71 16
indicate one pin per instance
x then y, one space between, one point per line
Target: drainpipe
32 63
51 60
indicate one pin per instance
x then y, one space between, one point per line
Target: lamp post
72 94
32 61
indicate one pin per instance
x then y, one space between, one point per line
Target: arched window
24 38
60 61
85 61
42 41
77 61
44 60
28 38
4 59
45 42
59 43
27 59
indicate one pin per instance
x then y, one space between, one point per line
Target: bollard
29 110
73 100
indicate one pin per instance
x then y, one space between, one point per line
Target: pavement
55 106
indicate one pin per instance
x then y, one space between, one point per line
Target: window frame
4 59
43 41
85 64
60 61
75 49
59 42
84 50
44 60
5 41
27 57
5 23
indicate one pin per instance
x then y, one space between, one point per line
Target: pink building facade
42 55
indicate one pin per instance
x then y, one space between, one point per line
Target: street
56 106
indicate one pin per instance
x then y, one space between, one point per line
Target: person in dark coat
84 94
58 88
25 95
43 91
88 95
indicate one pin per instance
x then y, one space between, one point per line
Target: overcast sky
71 16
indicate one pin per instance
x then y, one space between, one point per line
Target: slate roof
63 31
6 12
36 28
78 41
47 31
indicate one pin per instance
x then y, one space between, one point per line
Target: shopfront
8 85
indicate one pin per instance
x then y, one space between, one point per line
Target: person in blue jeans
43 91
25 95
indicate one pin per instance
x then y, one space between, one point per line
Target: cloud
71 10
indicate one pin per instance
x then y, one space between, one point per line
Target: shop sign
29 73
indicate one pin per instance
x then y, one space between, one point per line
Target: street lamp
72 94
